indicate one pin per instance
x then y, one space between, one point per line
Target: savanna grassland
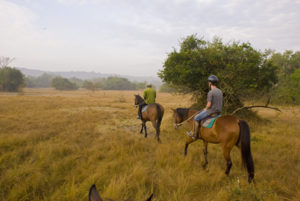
55 145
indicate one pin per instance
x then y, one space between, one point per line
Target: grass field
55 145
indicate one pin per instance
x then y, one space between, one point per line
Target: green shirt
149 95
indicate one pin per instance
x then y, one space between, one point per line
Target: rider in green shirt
149 96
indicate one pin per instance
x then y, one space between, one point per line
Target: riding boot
140 112
195 132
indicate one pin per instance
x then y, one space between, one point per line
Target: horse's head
177 118
94 195
138 100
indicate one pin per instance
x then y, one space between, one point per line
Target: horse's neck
191 112
141 101
183 113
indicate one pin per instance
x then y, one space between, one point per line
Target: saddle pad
144 109
208 123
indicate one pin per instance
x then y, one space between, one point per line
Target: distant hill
91 75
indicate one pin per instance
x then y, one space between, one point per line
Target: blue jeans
203 114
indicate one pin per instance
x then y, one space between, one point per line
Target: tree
240 68
11 79
89 85
287 90
118 83
42 81
60 83
167 88
140 85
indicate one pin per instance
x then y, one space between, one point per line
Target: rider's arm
209 99
208 105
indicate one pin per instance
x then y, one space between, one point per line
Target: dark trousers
140 109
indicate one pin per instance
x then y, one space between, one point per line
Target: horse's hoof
251 179
204 165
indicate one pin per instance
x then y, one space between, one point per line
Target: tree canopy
240 68
11 79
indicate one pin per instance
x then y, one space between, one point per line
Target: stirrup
191 134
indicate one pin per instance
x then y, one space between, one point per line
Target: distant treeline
111 83
244 72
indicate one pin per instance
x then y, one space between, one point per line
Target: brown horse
228 131
153 113
94 195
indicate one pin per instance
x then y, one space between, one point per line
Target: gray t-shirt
215 96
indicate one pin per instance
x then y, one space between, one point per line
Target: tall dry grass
55 145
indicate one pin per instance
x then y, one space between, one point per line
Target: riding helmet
213 79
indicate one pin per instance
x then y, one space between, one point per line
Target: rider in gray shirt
215 96
214 105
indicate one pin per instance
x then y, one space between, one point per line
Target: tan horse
94 195
153 113
228 131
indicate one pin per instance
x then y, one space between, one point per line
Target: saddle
144 108
208 122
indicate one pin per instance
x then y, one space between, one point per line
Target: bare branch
253 106
268 101
5 61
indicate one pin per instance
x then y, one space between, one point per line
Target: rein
188 118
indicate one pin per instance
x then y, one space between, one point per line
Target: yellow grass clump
55 145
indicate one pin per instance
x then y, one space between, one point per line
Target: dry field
55 145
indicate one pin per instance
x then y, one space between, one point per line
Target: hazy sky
133 37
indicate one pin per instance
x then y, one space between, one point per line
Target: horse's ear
93 194
149 198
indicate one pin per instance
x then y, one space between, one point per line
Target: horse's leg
189 141
226 153
154 124
146 134
142 128
205 154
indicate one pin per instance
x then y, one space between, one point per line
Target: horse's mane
140 99
182 112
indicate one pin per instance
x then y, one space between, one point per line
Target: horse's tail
245 149
159 118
